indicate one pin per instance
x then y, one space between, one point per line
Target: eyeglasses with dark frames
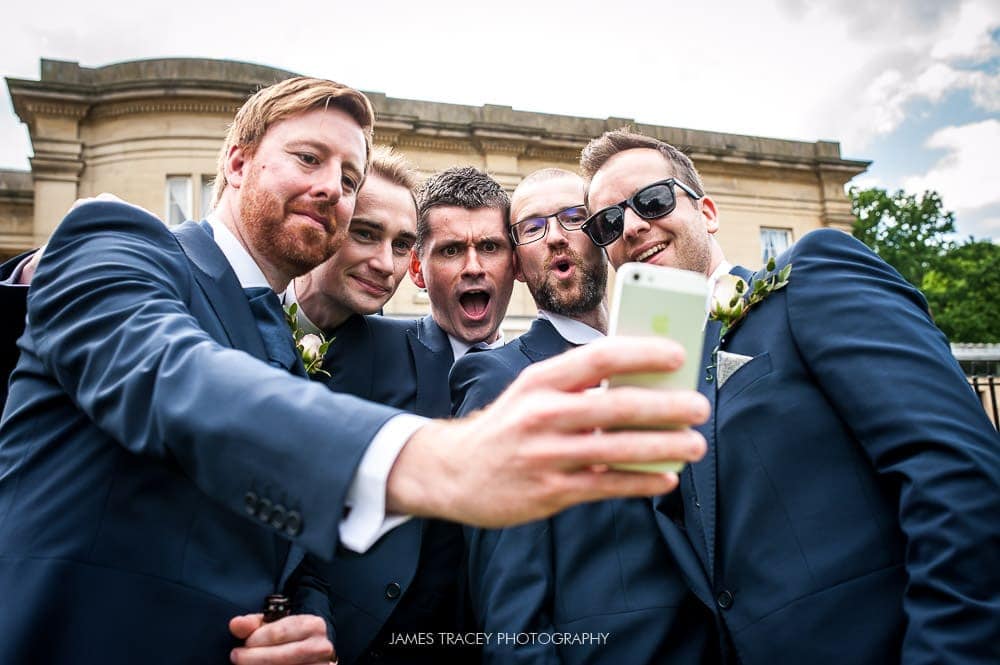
530 229
651 202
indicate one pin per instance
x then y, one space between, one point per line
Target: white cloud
969 35
967 176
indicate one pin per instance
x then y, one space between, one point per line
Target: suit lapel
225 296
220 286
351 358
542 342
432 359
701 513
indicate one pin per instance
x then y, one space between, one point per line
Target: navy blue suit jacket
13 306
846 511
595 568
406 582
145 448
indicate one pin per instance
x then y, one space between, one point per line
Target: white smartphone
652 301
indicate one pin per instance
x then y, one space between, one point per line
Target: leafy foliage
913 234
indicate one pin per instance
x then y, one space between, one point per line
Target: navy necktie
274 330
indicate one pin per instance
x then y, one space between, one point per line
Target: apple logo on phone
661 324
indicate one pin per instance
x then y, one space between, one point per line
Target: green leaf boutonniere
734 298
312 347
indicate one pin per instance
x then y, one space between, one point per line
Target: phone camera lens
635 277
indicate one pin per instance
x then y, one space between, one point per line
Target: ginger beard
289 242
581 293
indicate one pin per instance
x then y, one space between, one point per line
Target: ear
709 214
518 274
416 271
236 166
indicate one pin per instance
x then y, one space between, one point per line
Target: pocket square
727 364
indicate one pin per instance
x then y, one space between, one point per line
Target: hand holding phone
652 301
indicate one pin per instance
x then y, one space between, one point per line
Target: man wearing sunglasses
596 582
846 509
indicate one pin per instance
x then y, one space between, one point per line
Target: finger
304 652
684 445
585 486
294 628
586 366
625 407
242 626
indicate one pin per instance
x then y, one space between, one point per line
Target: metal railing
986 388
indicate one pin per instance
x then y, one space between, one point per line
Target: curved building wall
130 128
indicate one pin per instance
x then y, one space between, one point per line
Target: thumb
243 626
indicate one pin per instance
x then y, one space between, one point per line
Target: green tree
908 232
963 290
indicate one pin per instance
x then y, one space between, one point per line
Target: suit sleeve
110 314
310 594
511 575
870 343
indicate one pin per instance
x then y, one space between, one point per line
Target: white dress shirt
571 330
367 521
460 348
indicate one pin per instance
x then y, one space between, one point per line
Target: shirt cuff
366 521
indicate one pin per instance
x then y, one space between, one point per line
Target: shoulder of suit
386 326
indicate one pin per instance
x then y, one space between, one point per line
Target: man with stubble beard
846 509
600 569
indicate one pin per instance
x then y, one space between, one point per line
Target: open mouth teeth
655 249
474 303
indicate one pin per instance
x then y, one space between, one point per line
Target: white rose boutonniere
312 347
734 298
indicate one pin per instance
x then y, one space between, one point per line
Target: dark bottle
276 606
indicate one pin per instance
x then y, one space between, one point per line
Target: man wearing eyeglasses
846 509
596 583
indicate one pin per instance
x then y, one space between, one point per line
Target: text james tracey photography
501 639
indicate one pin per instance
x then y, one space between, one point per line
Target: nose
473 266
556 234
381 261
329 183
634 225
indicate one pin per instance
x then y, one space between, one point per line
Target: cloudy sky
912 85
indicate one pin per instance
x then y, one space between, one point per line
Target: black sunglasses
531 229
652 201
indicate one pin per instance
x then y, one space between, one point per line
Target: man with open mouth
531 578
406 583
463 256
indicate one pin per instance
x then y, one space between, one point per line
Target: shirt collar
460 348
571 330
247 271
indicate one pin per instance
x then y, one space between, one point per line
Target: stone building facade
149 131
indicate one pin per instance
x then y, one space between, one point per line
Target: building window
179 203
773 242
206 195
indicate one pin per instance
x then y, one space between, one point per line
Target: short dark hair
610 143
462 186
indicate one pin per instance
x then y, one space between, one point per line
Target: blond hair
283 100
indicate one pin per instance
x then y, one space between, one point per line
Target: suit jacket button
725 599
293 523
264 510
392 590
278 516
250 503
